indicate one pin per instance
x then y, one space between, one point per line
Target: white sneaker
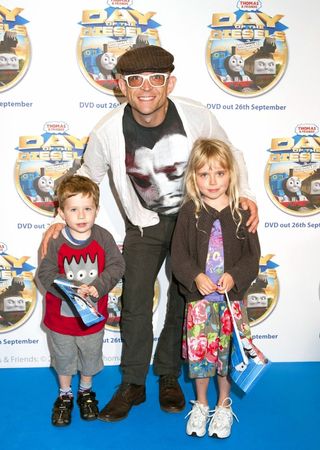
222 420
198 419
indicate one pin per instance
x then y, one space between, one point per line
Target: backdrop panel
252 64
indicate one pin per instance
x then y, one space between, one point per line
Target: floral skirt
207 336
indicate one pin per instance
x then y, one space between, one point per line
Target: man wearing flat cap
146 143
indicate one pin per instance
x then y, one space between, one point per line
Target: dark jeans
144 256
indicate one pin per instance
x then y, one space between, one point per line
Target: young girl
212 252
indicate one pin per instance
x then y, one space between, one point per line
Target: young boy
88 255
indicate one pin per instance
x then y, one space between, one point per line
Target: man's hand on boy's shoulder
52 232
251 206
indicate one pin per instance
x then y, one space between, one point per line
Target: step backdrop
254 64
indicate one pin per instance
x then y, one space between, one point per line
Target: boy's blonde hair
206 151
77 184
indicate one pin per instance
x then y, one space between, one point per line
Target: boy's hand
225 283
86 290
52 232
204 284
253 221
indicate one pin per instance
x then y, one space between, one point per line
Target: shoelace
89 406
223 412
198 413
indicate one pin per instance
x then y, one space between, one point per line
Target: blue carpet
280 412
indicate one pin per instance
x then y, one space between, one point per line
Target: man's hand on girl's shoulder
251 206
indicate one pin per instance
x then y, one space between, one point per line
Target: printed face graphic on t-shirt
82 270
157 173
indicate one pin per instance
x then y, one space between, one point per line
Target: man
145 142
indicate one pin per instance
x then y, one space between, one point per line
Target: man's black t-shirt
156 159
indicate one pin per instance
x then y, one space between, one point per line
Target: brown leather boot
171 397
126 396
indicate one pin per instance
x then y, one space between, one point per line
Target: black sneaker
61 413
88 405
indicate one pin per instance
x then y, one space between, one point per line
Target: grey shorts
70 354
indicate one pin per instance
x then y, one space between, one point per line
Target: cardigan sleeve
95 164
246 269
184 267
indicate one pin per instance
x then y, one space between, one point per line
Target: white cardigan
106 150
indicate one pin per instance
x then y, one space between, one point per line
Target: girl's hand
86 290
226 283
204 284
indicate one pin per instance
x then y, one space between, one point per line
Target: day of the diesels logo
43 161
262 296
106 34
247 50
292 176
14 47
17 290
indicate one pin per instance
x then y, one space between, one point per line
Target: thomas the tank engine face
45 184
236 63
108 61
293 184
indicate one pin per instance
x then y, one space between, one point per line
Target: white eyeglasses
155 79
